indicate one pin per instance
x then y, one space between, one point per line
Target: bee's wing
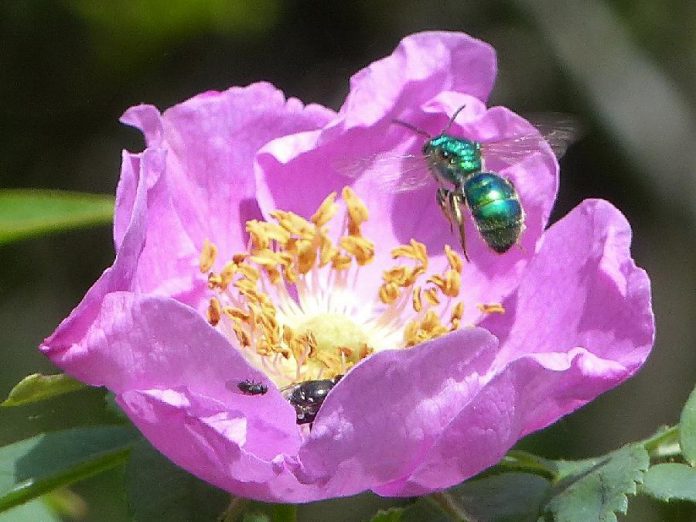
388 172
558 130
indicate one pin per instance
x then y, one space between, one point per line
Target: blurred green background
625 68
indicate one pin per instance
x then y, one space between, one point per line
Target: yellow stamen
306 255
456 316
417 301
455 261
326 211
357 211
431 296
340 261
248 271
457 312
429 328
290 300
389 292
207 257
449 284
294 224
227 274
214 311
492 308
363 250
214 281
414 250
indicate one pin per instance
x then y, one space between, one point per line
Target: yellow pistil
290 300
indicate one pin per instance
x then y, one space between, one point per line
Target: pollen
294 305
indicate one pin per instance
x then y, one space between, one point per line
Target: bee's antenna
413 128
454 116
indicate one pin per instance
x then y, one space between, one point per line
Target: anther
207 257
214 311
492 308
326 211
357 211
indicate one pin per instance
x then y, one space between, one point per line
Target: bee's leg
457 204
444 202
451 203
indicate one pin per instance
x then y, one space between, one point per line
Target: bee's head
439 149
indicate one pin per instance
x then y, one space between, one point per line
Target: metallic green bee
457 165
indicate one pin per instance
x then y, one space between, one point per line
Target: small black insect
308 396
252 387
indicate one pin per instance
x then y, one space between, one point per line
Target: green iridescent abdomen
496 209
452 159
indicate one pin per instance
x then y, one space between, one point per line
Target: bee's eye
444 154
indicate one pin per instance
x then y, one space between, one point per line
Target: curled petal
587 289
120 276
210 141
399 402
527 395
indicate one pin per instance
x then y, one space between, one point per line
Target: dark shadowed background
625 68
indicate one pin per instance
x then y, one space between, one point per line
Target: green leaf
503 497
30 512
259 512
687 429
424 510
26 212
508 497
38 387
284 513
390 515
113 408
671 481
35 466
159 490
596 489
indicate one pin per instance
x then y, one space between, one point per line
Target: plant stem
664 444
522 461
235 508
449 506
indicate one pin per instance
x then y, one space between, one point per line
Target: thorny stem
449 506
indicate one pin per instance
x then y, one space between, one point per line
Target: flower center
336 336
291 304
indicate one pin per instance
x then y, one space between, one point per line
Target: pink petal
210 141
382 418
423 65
285 168
527 395
582 289
131 224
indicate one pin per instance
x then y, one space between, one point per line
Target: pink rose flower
240 256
